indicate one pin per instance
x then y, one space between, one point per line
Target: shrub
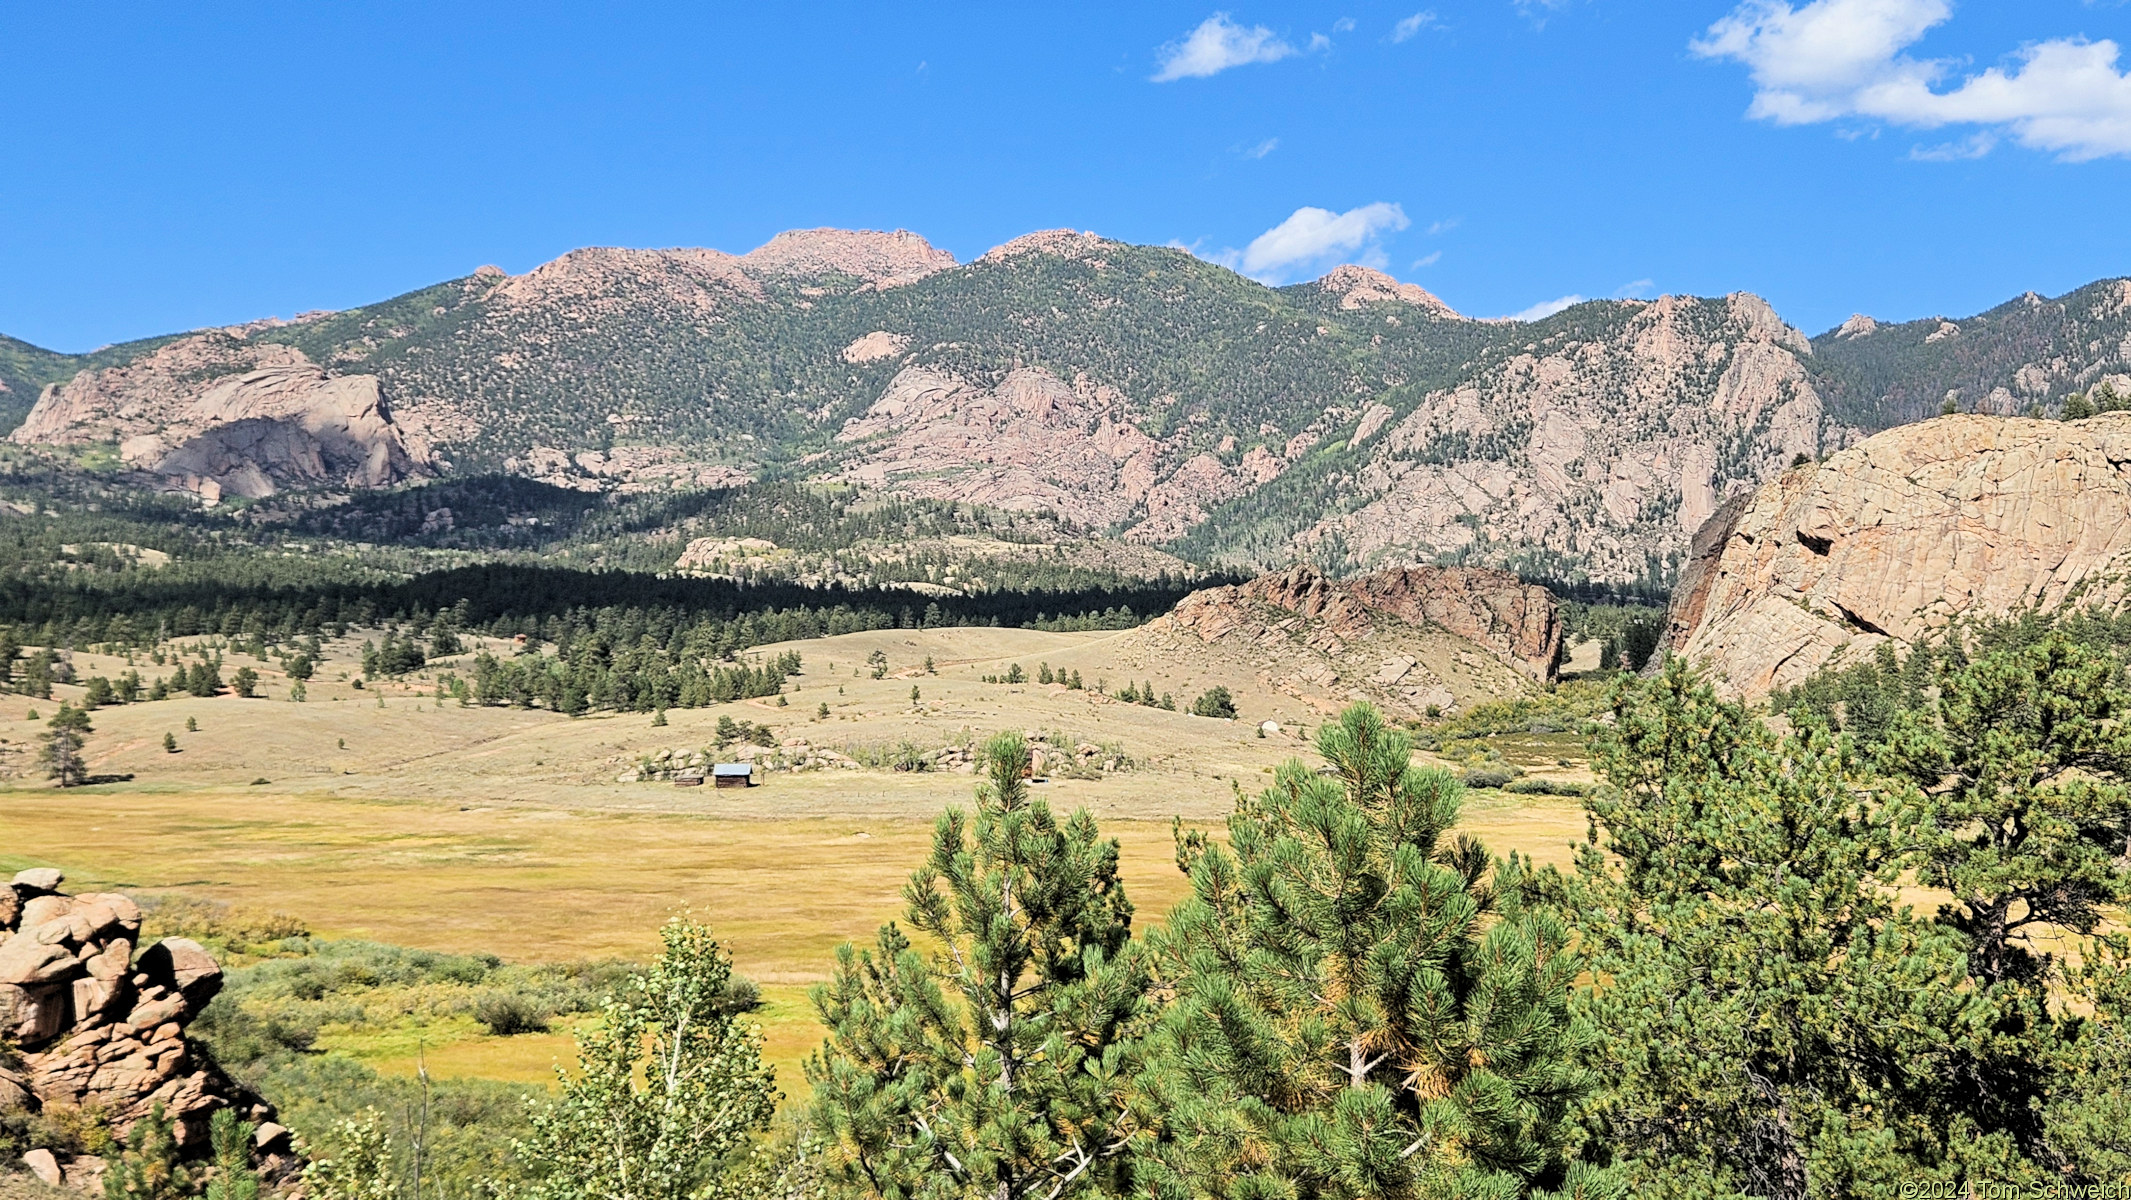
1214 702
740 996
1486 778
506 1014
1547 787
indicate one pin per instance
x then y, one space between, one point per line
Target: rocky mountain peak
692 276
1065 243
1357 285
884 259
1859 325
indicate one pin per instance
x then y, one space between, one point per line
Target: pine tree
669 1088
1772 1020
2026 760
994 1067
230 1141
2024 766
145 1166
1362 1008
62 755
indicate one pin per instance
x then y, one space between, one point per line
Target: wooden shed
733 774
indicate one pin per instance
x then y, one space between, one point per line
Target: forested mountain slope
2027 352
1131 391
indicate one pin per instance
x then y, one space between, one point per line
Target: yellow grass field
503 831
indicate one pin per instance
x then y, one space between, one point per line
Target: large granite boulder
1902 534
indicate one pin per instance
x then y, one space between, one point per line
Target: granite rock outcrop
218 414
1901 535
1408 640
100 1025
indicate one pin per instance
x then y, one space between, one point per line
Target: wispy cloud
1634 290
1536 11
1443 226
1957 151
1836 59
1546 308
1409 26
1430 259
1262 148
1343 25
1216 45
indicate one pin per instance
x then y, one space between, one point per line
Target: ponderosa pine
1360 1007
995 1065
1773 1021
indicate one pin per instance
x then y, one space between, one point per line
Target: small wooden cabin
730 775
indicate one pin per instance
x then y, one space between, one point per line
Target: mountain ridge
1353 421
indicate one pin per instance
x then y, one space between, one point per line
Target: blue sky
179 166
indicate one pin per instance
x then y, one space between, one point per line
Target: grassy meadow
380 814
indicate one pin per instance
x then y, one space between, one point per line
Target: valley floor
504 831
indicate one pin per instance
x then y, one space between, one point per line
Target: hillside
1131 392
2030 351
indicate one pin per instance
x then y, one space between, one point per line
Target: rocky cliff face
1600 446
1407 640
1034 442
219 414
1902 533
99 1025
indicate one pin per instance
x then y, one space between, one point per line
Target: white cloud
1443 226
1343 25
1429 260
1409 26
1832 59
1215 46
1546 308
1634 289
1314 235
1319 42
1262 148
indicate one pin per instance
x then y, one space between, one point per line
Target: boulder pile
101 1028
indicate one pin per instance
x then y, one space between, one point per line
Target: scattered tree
63 761
1214 702
877 662
231 1176
245 682
146 1165
170 743
356 1164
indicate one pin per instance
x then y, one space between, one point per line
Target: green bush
1214 702
507 1014
1546 787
